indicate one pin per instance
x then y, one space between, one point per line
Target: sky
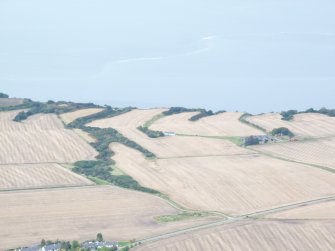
246 55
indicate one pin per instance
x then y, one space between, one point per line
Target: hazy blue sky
250 55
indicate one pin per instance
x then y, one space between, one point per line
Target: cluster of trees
4 95
106 136
102 169
329 112
243 120
51 107
150 133
282 131
203 112
27 104
65 245
103 166
176 110
251 140
289 115
105 113
75 245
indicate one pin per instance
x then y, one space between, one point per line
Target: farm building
169 134
98 244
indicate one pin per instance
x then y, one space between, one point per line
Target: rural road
237 218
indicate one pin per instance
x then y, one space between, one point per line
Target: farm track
208 155
32 163
238 218
46 188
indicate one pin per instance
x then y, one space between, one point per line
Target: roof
52 247
97 244
34 248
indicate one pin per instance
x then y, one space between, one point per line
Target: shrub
288 115
3 95
251 140
176 110
150 133
51 107
282 131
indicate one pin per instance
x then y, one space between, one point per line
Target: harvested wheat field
166 147
319 152
84 135
38 176
184 146
325 210
304 125
72 116
235 184
290 235
10 101
26 217
40 138
223 124
129 120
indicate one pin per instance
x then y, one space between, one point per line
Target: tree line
289 115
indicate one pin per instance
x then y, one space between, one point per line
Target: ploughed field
28 216
304 125
200 168
166 147
271 235
233 184
316 151
22 176
223 124
39 139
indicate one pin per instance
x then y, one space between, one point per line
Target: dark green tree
75 244
43 243
251 140
100 237
282 131
3 95
66 245
288 115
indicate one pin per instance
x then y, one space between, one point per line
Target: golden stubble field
271 235
325 210
166 147
200 173
304 125
319 152
40 138
223 124
38 176
233 184
28 216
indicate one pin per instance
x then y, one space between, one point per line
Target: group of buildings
88 245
